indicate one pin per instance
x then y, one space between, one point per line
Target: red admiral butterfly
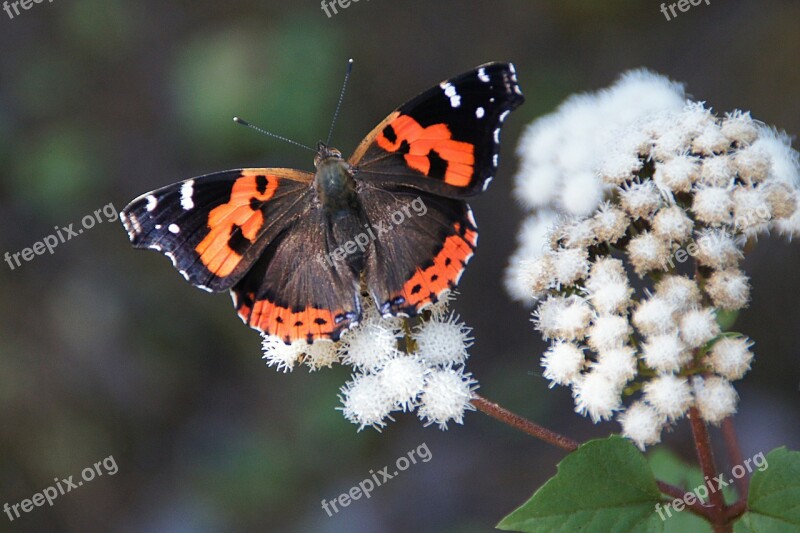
257 231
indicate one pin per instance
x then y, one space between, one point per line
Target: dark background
107 351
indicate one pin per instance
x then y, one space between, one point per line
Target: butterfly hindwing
296 290
214 227
422 247
446 140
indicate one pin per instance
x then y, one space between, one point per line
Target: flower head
678 193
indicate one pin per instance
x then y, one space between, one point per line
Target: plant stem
705 455
565 443
523 424
735 455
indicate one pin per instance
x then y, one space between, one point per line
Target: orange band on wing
427 150
241 213
426 285
309 324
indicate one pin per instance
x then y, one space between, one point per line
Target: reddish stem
736 457
705 455
523 424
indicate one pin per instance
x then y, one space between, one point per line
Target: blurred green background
107 351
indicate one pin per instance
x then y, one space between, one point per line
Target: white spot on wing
504 114
152 202
495 160
451 93
497 136
173 228
158 226
487 182
480 112
187 190
482 75
471 218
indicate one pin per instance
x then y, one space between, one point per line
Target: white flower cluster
396 367
576 159
677 183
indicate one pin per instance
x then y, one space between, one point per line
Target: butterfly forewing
446 140
214 227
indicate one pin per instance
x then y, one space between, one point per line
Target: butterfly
295 248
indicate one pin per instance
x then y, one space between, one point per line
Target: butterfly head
326 153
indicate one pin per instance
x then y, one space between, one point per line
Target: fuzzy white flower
608 331
678 174
562 363
752 163
655 316
281 355
367 346
785 161
731 357
713 205
322 354
640 200
715 397
576 233
445 397
563 317
616 364
596 396
569 265
443 341
752 211
610 297
673 224
717 249
717 171
729 289
365 401
664 353
610 223
648 252
642 424
711 141
739 127
680 291
698 326
403 378
670 395
537 275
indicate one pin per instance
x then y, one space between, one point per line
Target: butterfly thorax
334 183
336 191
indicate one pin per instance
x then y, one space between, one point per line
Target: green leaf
774 494
605 485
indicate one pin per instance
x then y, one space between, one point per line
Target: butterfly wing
216 226
296 290
422 246
446 140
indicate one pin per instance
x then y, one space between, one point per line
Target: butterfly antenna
270 134
341 97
